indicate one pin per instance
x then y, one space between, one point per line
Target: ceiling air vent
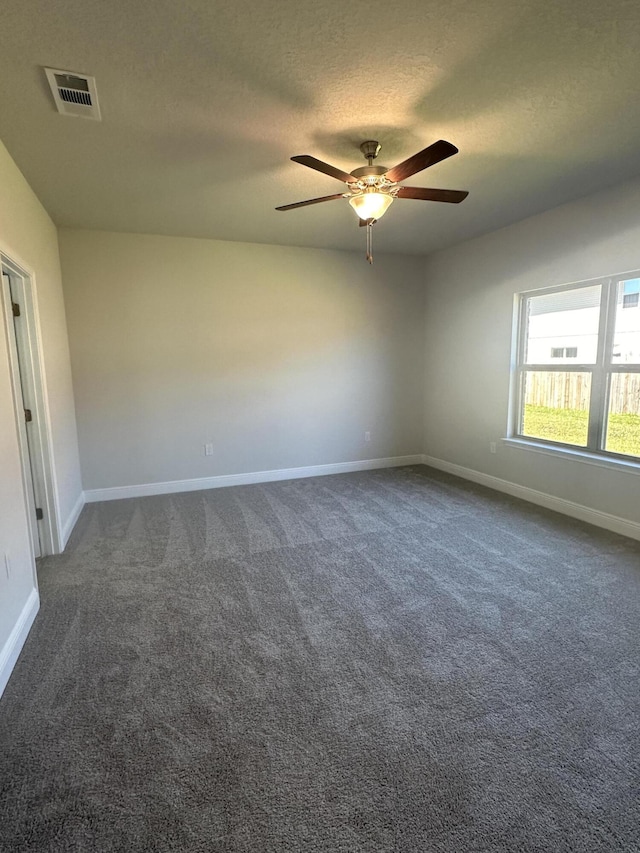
74 94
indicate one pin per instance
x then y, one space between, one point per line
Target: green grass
623 435
569 426
566 425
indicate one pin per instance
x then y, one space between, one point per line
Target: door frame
37 459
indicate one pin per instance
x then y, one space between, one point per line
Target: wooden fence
571 391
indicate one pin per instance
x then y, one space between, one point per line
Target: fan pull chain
370 242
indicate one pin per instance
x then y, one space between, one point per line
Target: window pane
626 338
556 406
563 327
623 424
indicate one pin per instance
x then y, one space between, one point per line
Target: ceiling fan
372 189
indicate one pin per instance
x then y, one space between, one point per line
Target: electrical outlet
367 436
208 450
492 447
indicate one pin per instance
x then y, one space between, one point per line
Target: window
630 300
631 293
591 402
564 352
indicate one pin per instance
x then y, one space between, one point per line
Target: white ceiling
204 102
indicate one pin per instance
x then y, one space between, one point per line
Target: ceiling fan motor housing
368 171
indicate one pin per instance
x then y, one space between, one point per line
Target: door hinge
39 514
16 309
28 417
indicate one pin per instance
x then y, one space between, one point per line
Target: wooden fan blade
325 168
451 196
422 160
309 201
363 222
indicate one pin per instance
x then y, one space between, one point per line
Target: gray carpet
387 661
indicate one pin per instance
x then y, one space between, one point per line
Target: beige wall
280 357
28 237
470 298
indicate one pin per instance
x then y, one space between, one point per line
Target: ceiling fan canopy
372 189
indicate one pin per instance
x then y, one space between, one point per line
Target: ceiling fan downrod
370 149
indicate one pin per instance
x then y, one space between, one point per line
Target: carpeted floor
394 660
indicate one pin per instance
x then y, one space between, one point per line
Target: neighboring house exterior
563 327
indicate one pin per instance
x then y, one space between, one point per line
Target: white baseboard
145 489
12 648
70 523
593 516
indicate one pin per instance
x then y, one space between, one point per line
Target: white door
19 345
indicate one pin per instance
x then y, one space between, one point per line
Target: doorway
23 339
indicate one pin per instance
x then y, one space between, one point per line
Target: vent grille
73 94
73 97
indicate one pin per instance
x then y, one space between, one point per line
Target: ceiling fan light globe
371 205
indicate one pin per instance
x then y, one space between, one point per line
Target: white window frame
601 371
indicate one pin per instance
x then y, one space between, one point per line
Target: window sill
600 461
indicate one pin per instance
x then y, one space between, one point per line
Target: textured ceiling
204 102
